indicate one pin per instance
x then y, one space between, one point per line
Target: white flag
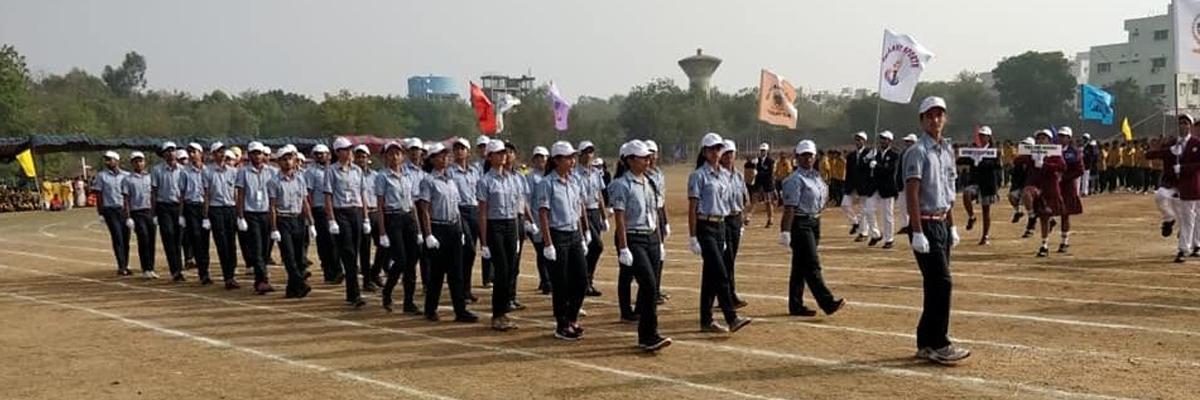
1187 35
505 103
903 61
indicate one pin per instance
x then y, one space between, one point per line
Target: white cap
320 148
541 151
985 130
763 146
462 142
195 146
1043 132
650 144
181 154
887 135
912 137
230 154
136 155
806 146
861 135
266 150
596 162
341 143
637 148
426 146
285 150
113 155
435 148
215 146
1065 131
1027 140
482 140
711 139
932 102
731 146
493 146
561 148
392 144
586 144
1086 135
255 146
414 142
1188 117
167 145
363 148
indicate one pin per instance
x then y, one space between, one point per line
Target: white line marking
46 233
221 344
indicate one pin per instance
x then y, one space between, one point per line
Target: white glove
384 242
662 252
334 229
549 253
432 242
1177 169
587 238
874 163
486 253
129 223
102 221
742 231
206 224
462 239
666 230
694 245
954 236
154 220
584 250
608 211
366 227
312 232
1037 163
242 225
275 236
919 243
530 228
785 239
625 257
182 222
420 240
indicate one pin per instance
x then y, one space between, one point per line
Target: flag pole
879 84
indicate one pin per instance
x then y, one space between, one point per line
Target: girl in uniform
634 200
398 227
708 193
437 204
561 214
499 193
804 197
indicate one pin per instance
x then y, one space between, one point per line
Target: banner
1187 35
1126 130
1097 104
903 61
504 104
25 158
977 154
562 109
485 113
1039 151
776 101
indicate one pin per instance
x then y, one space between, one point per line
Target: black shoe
377 281
472 298
853 229
1017 217
1028 234
466 317
566 334
837 305
739 323
189 264
387 303
904 231
1179 258
860 238
803 312
487 285
592 292
874 241
271 261
1195 252
307 274
339 279
971 222
124 272
1062 247
304 291
546 289
356 303
1167 227
656 344
630 318
178 278
1043 251
411 309
369 287
232 284
289 294
660 300
739 304
713 327
205 281
516 306
1053 223
889 245
432 317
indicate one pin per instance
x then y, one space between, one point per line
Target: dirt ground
1112 319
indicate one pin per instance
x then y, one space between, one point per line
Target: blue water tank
432 85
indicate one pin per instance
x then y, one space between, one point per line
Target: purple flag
561 108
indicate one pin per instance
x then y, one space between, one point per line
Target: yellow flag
1126 130
776 98
25 158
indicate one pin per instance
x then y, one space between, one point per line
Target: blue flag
1097 104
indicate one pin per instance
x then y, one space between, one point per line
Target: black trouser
196 236
645 249
254 243
596 246
516 265
401 231
568 274
806 265
714 282
143 227
658 264
627 274
185 236
168 227
349 222
932 331
445 263
292 231
119 233
733 239
326 252
224 230
543 266
470 218
371 268
502 242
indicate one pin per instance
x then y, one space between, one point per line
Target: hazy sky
589 47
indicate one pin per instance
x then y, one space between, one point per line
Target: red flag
485 112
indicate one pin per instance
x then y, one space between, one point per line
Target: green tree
14 92
1037 88
129 78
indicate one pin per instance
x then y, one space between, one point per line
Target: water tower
699 69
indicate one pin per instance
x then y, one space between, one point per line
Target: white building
1147 58
1080 65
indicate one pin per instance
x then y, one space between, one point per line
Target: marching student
984 188
929 177
591 180
466 178
252 214
139 212
499 193
193 188
347 215
110 204
707 208
291 220
735 221
880 207
634 199
1168 153
164 189
1017 176
437 205
1186 167
314 177
414 168
183 156
562 215
762 187
1069 183
220 198
393 186
525 218
537 172
852 200
656 175
369 268
804 197
1043 196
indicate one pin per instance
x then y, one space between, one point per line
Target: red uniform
1069 184
1189 174
1045 181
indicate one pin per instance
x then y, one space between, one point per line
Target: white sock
1046 242
1066 238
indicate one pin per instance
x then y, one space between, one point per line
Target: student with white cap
370 269
655 173
184 156
314 177
290 220
591 181
110 204
499 192
139 212
762 189
852 200
192 220
880 206
707 208
466 176
253 207
220 198
561 214
804 197
1166 197
414 168
1187 168
393 185
984 177
738 198
537 173
929 176
437 205
1069 184
347 215
167 197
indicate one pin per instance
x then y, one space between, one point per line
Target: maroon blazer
1189 170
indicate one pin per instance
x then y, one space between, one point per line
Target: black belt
806 216
287 215
198 204
641 232
396 212
710 218
443 223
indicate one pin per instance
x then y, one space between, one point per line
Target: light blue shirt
933 164
591 181
466 179
711 190
562 196
502 192
253 184
660 180
805 191
315 178
533 181
108 183
396 189
165 179
636 197
370 198
220 182
288 193
416 174
737 195
192 183
438 189
136 188
345 183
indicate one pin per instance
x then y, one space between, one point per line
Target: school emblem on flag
903 61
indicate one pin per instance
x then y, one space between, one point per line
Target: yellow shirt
1007 154
826 168
839 169
783 168
1102 162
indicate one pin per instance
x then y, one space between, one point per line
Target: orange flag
485 112
776 100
